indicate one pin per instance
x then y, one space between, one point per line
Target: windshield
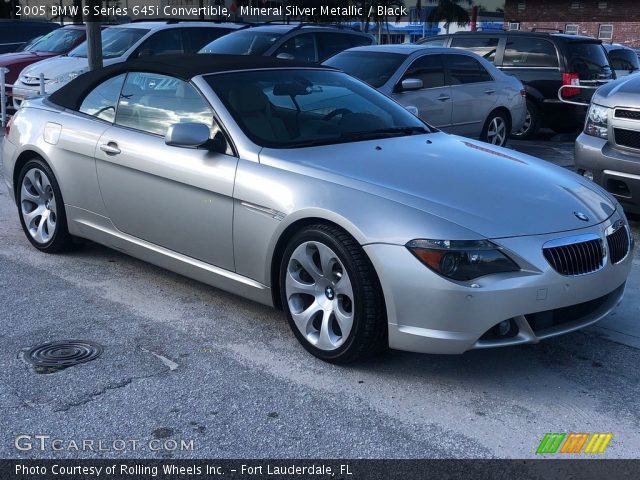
115 42
58 41
375 68
245 42
624 59
589 60
302 108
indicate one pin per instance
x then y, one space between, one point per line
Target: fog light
504 327
588 174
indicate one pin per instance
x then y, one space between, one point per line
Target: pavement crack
114 386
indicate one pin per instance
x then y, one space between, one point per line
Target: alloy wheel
528 120
497 131
38 206
319 294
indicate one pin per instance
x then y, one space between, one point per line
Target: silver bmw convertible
300 187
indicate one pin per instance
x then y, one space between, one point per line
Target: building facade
612 21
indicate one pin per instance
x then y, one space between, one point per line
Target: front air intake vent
618 243
576 258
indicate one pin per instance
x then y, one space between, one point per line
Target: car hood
8 59
493 191
624 92
54 67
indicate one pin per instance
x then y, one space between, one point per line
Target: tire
335 321
38 191
560 128
496 129
532 123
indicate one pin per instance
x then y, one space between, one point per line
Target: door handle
444 98
110 148
490 91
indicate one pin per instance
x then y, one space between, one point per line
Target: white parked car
120 43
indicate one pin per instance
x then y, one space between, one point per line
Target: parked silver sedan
452 89
301 187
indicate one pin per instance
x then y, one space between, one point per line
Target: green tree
450 11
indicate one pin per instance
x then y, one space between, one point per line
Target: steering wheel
338 111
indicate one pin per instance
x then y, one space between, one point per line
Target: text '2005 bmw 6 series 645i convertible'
300 187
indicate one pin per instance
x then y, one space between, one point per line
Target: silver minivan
452 89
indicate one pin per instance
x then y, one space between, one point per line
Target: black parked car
543 62
306 42
15 33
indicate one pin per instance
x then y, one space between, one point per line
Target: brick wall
588 15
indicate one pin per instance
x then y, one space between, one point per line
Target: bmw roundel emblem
581 216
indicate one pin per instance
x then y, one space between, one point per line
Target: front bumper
21 93
616 170
430 314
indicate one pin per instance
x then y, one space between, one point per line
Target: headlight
462 259
597 121
66 77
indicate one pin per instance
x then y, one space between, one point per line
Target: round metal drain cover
65 353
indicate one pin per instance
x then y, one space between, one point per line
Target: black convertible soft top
184 67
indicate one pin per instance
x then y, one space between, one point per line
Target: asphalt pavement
189 371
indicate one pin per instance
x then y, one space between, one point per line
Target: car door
79 135
474 92
178 198
433 101
164 42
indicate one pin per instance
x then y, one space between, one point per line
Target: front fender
269 200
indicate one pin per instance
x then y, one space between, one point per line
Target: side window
101 102
529 52
300 47
464 69
360 40
195 38
484 46
164 42
429 69
331 43
152 103
623 60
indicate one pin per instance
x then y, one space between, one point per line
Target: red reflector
570 79
8 126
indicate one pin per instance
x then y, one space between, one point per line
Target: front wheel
42 213
496 129
332 296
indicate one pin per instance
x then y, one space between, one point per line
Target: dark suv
543 62
306 42
15 33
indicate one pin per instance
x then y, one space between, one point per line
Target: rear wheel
496 129
531 125
41 208
331 295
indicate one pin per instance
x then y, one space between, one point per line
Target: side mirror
285 56
412 109
409 84
189 135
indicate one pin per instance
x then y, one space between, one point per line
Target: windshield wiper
366 135
385 132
